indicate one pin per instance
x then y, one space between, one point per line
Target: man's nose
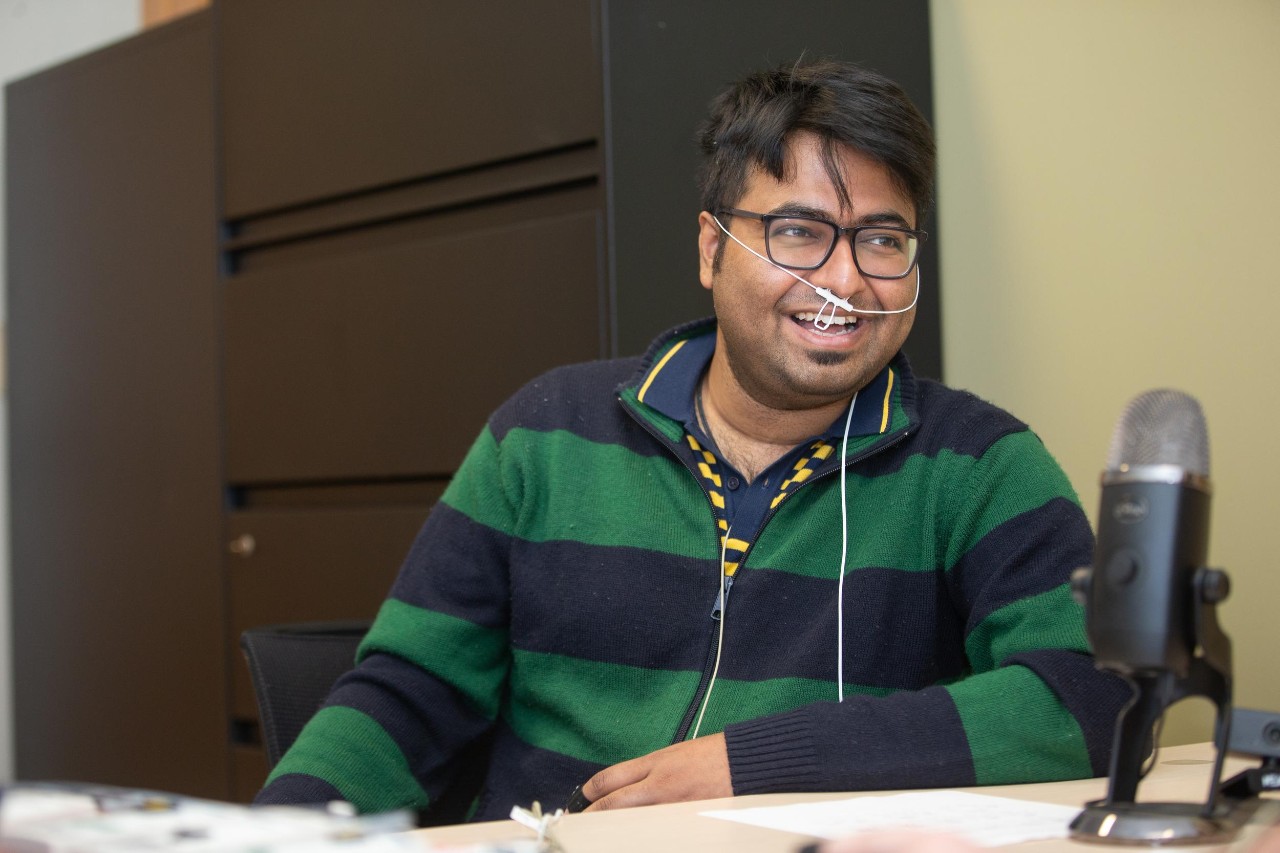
840 273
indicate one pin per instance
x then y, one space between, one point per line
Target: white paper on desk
985 820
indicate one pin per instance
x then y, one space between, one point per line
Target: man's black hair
841 103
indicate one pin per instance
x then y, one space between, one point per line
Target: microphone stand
1119 818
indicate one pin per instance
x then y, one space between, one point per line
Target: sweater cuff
773 754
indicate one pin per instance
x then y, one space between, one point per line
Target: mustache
801 300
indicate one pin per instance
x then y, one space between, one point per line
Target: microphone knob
1214 585
1123 567
1081 581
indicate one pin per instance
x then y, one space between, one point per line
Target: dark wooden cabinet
322 99
384 360
116 485
270 268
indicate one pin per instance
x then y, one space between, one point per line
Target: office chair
292 667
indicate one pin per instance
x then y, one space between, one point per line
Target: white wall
35 34
1109 206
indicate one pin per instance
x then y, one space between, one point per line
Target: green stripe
470 657
996 494
351 751
478 490
737 701
1017 729
1050 620
629 508
898 520
606 713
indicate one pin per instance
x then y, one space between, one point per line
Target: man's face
766 330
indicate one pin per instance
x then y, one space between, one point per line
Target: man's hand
695 769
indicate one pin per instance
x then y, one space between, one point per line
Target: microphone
1151 613
1153 535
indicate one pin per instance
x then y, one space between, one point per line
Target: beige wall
1110 207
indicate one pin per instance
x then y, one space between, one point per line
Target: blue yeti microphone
1153 535
1151 614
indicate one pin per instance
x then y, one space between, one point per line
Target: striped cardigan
555 614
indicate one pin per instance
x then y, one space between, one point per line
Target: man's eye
882 241
794 232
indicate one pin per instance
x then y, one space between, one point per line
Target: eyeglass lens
805 244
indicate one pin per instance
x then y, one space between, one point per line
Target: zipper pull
720 602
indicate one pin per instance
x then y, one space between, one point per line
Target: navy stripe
1009 565
874 730
619 605
428 719
908 635
294 789
579 399
654 610
430 577
949 420
521 773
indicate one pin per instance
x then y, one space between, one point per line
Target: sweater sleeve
1030 705
395 730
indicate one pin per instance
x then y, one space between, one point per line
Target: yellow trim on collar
657 368
888 394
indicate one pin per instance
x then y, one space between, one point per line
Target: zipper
718 608
722 599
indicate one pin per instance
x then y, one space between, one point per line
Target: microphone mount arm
1119 818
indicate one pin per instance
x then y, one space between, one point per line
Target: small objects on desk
534 819
59 818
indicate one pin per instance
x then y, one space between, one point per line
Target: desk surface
1181 774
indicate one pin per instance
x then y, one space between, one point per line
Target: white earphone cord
844 551
724 615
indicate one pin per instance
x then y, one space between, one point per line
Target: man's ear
709 236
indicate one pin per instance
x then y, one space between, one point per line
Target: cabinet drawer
321 98
304 565
385 362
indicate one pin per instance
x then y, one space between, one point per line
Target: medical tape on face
832 300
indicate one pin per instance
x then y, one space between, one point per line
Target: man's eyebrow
884 217
791 208
880 217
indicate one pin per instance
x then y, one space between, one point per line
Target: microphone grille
1161 427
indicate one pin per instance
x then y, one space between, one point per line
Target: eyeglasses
802 243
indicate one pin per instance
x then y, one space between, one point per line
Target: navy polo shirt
743 507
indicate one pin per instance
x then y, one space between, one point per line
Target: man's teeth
838 320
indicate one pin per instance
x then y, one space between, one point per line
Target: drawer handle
243 545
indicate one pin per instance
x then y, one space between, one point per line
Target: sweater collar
675 362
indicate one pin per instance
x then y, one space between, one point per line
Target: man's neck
750 435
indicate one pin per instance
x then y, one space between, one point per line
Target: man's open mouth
840 324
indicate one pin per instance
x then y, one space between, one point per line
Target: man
764 557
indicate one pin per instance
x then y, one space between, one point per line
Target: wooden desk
1181 774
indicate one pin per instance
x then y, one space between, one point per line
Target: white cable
724 615
844 551
832 300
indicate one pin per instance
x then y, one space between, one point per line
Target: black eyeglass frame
840 231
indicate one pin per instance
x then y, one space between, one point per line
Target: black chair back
293 667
